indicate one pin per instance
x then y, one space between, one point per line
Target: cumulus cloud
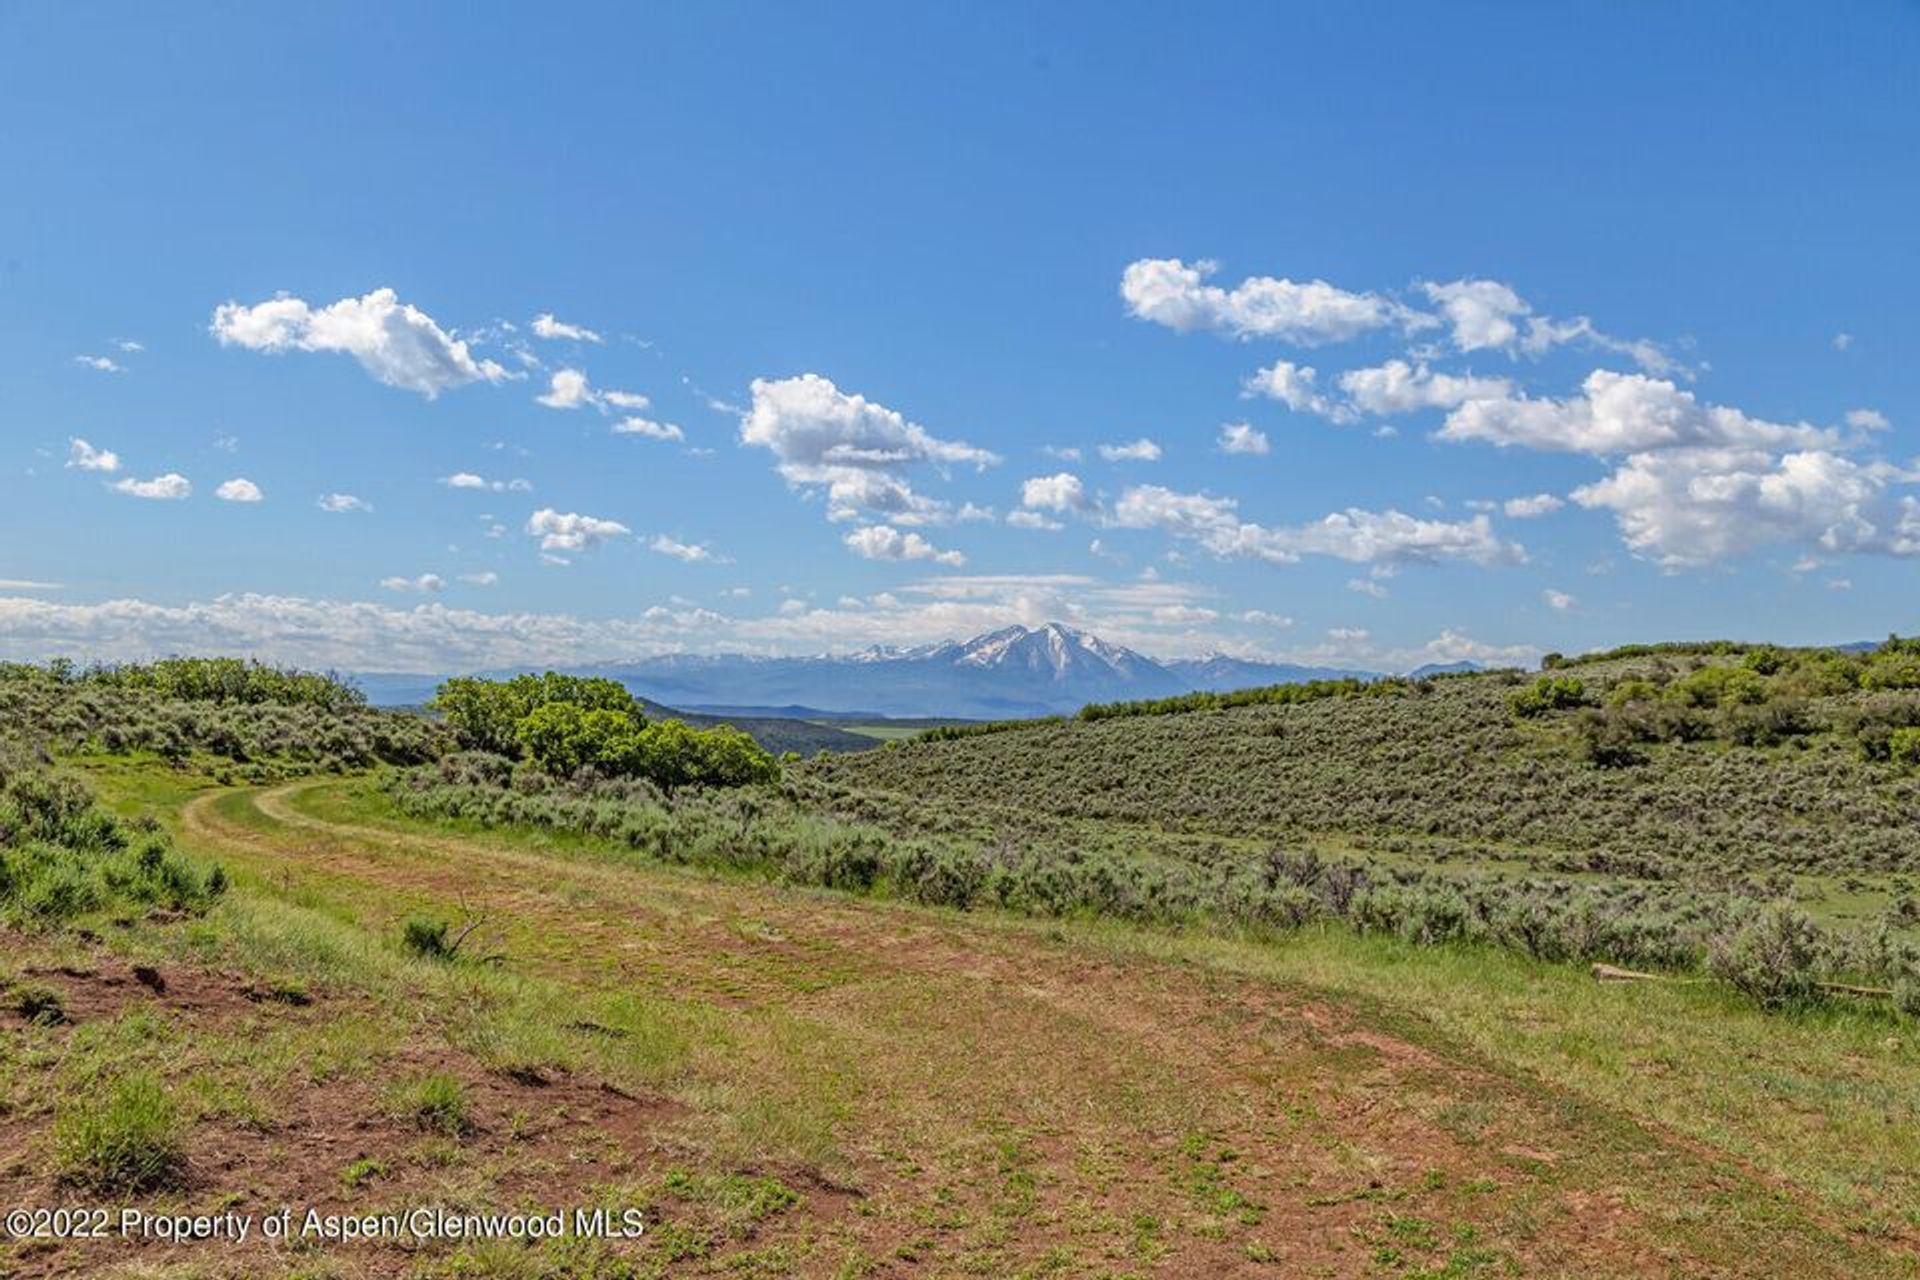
1618 413
1697 483
426 583
239 489
169 487
1242 437
546 326
342 503
485 578
1141 450
884 542
99 364
859 452
1357 535
1060 492
1486 315
1559 601
1367 587
650 429
570 531
572 389
1694 506
87 458
567 389
1027 519
397 343
1170 292
1532 506
1397 387
688 552
480 484
1296 386
1868 420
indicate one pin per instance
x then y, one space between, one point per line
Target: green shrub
125 1140
1771 957
1548 693
1903 747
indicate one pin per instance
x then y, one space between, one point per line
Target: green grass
120 1140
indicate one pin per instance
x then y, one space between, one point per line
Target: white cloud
468 480
1689 507
1141 450
546 326
1033 520
485 578
1528 508
27 584
1868 420
87 458
99 364
169 487
1558 600
1184 614
1241 437
1841 341
1367 587
1296 386
1173 293
1060 492
570 531
884 542
1397 387
395 342
342 503
1618 413
1839 584
129 345
650 429
426 583
1486 315
1264 618
1063 454
858 451
567 389
239 489
689 552
1374 537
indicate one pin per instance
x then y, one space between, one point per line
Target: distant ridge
1013 672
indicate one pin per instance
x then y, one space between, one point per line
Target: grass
126 1139
435 1103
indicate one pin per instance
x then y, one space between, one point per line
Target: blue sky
1608 311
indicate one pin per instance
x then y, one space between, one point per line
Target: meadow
1289 984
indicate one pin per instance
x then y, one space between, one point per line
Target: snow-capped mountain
1015 671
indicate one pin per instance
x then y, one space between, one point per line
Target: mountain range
1014 672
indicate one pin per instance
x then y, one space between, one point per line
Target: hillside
1443 771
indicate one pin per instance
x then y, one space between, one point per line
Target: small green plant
362 1171
127 1140
434 1103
